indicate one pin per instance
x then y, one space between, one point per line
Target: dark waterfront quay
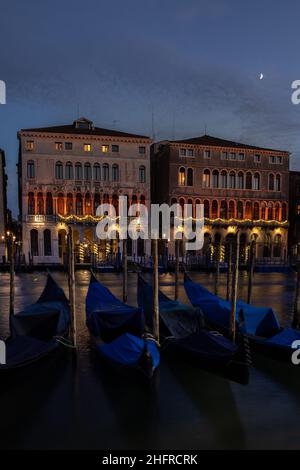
85 404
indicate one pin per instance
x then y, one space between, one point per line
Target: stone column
54 205
44 204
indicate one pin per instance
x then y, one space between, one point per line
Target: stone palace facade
64 173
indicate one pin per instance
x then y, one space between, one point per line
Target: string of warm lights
91 218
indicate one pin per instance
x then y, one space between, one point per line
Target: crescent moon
261 76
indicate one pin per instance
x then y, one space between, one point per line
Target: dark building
294 212
241 187
3 205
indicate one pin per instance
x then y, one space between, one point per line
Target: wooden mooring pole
11 247
229 271
234 289
251 271
296 316
176 268
125 270
217 263
155 290
71 275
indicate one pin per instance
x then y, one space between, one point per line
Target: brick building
241 186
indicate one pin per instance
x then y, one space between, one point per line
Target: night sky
191 63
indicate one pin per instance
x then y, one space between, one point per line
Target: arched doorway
277 248
62 244
267 246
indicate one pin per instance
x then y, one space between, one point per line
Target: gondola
183 331
258 324
39 330
118 331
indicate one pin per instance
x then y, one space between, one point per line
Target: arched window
69 203
78 171
78 204
87 171
190 177
30 169
97 202
256 181
223 210
40 204
215 179
277 211
49 204
87 204
34 242
263 211
181 176
134 199
47 242
206 209
105 198
143 200
105 172
270 211
277 246
142 174
97 172
284 212
31 206
232 180
69 171
214 210
240 180
248 210
278 183
240 212
206 179
248 180
60 204
231 211
59 172
255 211
271 182
115 172
224 179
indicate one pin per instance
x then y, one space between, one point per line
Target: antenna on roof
205 129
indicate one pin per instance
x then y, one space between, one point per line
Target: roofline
82 136
247 147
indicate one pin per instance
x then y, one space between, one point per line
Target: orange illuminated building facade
240 186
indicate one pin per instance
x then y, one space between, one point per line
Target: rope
65 342
247 351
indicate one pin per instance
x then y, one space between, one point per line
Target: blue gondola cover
252 320
119 327
33 331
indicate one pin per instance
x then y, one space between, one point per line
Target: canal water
87 405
